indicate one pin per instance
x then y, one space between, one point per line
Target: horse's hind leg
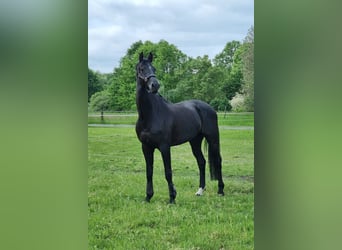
197 152
215 161
148 154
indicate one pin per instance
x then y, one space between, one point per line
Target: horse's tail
214 159
210 131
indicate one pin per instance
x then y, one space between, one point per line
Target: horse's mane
163 98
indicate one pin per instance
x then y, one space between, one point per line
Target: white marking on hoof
200 191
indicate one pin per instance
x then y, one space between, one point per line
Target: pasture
119 218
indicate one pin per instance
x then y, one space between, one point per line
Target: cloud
195 27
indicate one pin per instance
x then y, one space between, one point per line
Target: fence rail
127 113
119 118
112 115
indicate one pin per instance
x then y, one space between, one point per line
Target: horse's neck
146 104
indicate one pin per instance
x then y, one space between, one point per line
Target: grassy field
119 218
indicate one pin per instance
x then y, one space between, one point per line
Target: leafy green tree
225 59
122 88
104 79
181 77
243 72
248 71
94 84
233 81
122 81
210 85
201 80
212 92
167 59
185 83
229 61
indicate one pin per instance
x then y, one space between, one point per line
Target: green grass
228 119
119 218
113 118
236 119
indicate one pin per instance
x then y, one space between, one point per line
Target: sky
196 27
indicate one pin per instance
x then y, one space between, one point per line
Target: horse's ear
141 56
150 57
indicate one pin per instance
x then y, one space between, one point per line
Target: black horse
162 124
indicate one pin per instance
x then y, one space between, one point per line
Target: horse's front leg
148 154
166 155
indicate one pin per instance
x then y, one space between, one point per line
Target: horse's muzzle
153 85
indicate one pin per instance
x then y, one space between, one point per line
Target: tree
229 61
93 83
181 77
225 59
234 79
244 72
167 60
248 71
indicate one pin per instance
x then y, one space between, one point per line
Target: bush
100 101
237 103
220 104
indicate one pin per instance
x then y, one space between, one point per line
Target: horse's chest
153 132
151 136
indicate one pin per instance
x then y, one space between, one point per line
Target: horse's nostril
155 85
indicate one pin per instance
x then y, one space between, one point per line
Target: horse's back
186 122
197 117
204 110
193 110
209 123
208 117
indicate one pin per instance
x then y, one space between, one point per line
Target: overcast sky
196 27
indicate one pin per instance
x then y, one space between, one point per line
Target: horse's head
146 73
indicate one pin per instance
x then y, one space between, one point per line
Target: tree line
226 82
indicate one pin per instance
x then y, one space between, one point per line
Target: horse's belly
184 134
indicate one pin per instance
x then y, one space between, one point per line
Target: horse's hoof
172 201
148 197
220 193
200 191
